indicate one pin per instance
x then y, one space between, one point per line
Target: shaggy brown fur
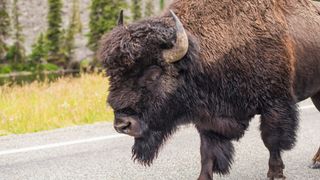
245 57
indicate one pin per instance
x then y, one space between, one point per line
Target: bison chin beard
146 148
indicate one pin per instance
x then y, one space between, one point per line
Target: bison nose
123 126
128 125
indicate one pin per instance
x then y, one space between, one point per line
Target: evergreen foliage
103 17
74 28
162 4
149 11
39 53
16 52
136 10
54 29
56 46
4 28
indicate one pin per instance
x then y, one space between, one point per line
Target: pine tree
162 4
4 28
103 17
16 53
74 28
149 11
136 9
39 54
54 29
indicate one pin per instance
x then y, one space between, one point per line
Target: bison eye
149 76
127 111
135 72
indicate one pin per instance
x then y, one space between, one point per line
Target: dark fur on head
128 52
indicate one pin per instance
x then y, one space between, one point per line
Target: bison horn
120 18
181 45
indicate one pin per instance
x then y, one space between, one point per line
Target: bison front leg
216 154
278 131
316 160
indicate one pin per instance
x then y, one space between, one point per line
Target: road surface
96 152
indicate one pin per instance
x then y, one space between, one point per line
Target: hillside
33 17
34 21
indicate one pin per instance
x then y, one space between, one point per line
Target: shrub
5 69
50 67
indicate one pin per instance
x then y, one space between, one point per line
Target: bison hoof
272 175
315 165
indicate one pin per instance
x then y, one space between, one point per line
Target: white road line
95 139
55 145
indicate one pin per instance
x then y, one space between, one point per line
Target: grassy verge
43 106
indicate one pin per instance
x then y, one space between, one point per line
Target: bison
215 64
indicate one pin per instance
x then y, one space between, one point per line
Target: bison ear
120 18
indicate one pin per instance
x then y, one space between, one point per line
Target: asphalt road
96 152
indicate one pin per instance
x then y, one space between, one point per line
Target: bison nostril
123 126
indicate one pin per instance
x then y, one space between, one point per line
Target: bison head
146 80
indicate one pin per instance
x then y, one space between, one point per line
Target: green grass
42 106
